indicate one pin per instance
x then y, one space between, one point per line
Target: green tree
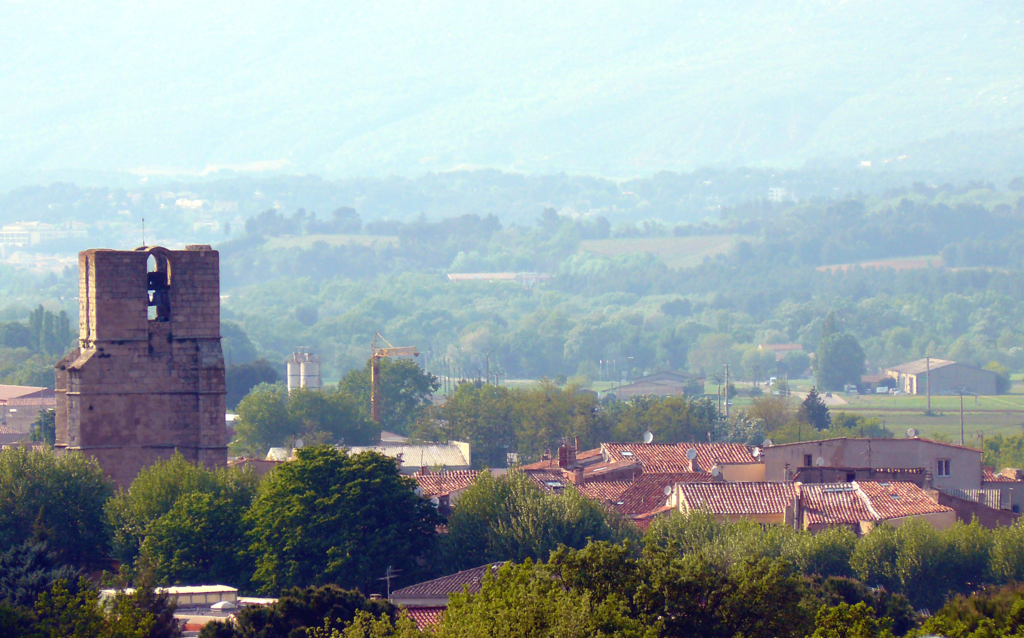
484 416
303 612
44 428
201 539
240 378
838 361
264 421
405 392
57 496
523 600
63 613
28 570
366 625
330 417
15 334
509 518
850 621
1007 554
134 514
814 412
331 517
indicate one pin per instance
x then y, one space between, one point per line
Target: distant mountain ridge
404 87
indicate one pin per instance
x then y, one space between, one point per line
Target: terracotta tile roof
739 498
450 584
425 617
600 469
7 430
604 490
548 481
897 500
585 458
834 504
643 521
444 483
671 458
647 492
990 476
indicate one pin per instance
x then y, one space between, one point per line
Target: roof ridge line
867 501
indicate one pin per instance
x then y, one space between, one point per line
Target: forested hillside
769 283
610 88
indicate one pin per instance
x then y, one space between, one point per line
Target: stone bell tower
148 376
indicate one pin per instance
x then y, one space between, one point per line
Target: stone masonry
148 376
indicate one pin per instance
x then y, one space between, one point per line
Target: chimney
424 470
577 476
576 442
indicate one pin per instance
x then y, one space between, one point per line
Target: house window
943 467
808 460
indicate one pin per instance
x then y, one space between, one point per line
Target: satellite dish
691 454
667 490
911 433
715 471
648 436
756 453
435 501
819 462
298 444
767 443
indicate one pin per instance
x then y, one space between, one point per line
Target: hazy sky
614 88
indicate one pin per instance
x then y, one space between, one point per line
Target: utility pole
961 416
928 381
727 390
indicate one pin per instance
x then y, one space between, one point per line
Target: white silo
295 371
310 371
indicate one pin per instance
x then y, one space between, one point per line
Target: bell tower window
158 284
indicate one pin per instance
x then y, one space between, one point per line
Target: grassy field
984 416
675 252
902 263
307 241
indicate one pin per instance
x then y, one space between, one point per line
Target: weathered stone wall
137 389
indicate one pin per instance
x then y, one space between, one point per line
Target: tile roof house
859 505
735 460
444 486
425 617
434 593
862 505
766 503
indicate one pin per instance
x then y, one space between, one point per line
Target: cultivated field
307 241
901 263
675 252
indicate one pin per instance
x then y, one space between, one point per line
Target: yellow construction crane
375 359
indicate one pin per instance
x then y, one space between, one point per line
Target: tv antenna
143 232
388 575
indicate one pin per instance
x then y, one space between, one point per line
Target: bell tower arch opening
158 281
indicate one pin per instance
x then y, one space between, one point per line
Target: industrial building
940 376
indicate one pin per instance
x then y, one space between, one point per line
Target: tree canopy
331 517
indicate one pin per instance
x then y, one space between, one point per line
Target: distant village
148 380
